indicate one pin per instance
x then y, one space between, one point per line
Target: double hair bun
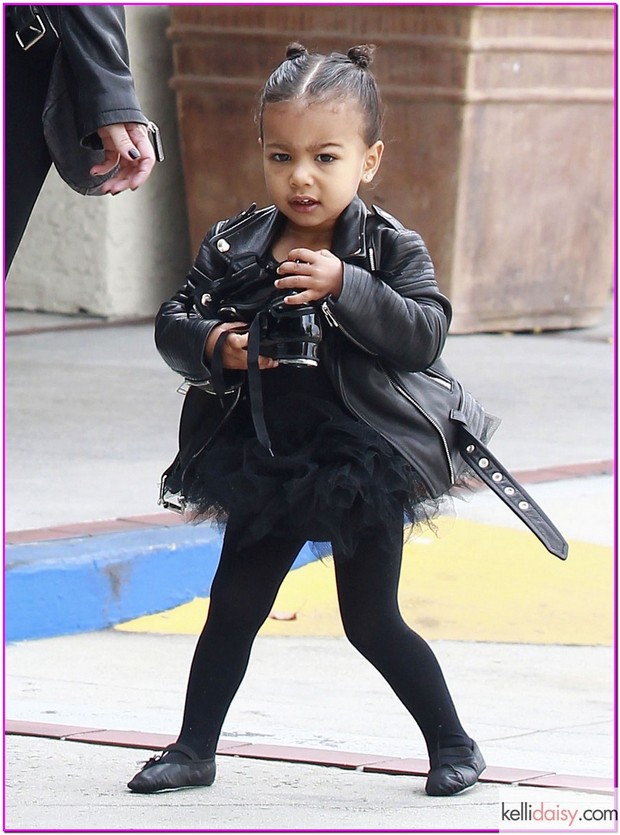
360 55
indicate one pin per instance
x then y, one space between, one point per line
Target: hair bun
295 50
361 55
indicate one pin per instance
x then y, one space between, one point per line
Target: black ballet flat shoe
453 770
177 767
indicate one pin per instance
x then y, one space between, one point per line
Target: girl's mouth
303 204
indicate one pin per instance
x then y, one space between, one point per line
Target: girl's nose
300 176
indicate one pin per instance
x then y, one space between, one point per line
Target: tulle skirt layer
330 479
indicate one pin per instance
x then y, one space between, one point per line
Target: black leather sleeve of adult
398 314
96 59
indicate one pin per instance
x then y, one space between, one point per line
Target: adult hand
129 145
313 274
235 347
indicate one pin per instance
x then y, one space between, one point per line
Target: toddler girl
336 460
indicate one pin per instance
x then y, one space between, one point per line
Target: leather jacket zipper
335 324
408 397
176 501
329 315
217 428
422 411
439 378
353 411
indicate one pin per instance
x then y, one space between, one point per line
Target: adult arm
97 63
108 113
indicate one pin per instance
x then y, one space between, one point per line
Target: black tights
242 595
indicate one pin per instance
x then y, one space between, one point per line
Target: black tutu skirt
330 479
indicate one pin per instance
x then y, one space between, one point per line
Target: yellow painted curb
470 582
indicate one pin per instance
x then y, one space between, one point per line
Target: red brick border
120 525
83 324
372 763
169 519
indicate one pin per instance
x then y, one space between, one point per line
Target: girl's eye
280 157
326 158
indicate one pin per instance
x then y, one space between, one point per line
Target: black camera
290 333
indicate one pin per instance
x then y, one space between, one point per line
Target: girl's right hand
235 347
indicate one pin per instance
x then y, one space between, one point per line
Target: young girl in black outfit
340 466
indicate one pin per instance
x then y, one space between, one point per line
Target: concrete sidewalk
540 714
101 413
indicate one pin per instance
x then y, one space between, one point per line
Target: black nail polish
133 153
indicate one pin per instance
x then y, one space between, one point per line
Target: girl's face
314 159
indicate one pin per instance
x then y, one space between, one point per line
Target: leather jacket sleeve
399 313
396 313
181 332
97 67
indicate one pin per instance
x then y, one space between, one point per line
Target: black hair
326 77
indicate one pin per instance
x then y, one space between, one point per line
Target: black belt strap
255 385
486 466
217 368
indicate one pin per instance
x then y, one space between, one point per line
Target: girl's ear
372 161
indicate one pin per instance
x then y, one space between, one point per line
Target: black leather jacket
390 305
380 349
389 321
96 61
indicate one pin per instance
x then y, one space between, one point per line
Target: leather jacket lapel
350 231
252 231
255 231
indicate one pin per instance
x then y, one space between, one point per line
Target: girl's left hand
313 274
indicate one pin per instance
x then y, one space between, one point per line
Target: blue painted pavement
65 586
